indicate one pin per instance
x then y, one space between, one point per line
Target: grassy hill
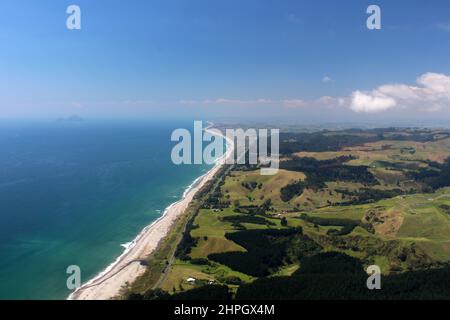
377 196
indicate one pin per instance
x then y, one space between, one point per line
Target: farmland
358 198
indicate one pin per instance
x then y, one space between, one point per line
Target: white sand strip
127 267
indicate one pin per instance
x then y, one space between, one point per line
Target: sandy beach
127 267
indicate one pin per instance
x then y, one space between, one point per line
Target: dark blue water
72 193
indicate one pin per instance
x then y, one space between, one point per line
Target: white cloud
436 82
431 94
374 102
294 103
294 19
136 102
77 104
226 101
327 79
444 26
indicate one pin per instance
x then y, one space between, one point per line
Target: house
190 280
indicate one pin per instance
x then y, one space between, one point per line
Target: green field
379 202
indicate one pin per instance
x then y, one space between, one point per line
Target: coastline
127 267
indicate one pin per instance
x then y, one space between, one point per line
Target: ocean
75 193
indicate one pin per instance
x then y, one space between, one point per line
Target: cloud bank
432 93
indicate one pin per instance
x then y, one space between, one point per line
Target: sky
261 59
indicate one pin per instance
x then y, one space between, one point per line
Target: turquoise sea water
73 193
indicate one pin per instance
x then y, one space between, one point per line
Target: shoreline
127 267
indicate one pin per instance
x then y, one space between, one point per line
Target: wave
127 244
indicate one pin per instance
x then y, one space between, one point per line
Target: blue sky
225 58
